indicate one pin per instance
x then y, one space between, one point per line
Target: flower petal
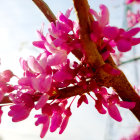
114 112
55 121
34 65
125 104
123 45
41 102
64 124
57 58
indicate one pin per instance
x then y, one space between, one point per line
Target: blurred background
19 20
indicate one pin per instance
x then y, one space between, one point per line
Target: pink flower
40 44
6 75
57 58
124 39
104 99
82 99
42 101
65 120
45 121
41 83
55 121
21 111
133 18
102 17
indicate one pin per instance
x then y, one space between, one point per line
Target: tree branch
125 90
63 93
45 10
91 53
119 83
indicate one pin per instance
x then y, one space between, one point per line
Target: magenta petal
64 124
135 41
105 55
25 81
50 48
55 121
42 83
123 45
58 42
110 32
131 32
39 44
45 121
23 64
18 112
43 60
61 75
64 19
67 14
44 129
45 85
34 65
99 107
82 99
104 15
67 112
6 75
41 102
47 109
94 13
57 58
109 69
35 83
114 112
42 37
129 105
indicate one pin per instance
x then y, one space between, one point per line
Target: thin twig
129 61
45 10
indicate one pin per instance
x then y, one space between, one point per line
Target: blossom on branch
51 78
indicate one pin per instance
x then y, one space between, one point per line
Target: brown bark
91 53
45 10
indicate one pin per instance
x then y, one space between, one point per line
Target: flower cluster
51 72
133 18
112 36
